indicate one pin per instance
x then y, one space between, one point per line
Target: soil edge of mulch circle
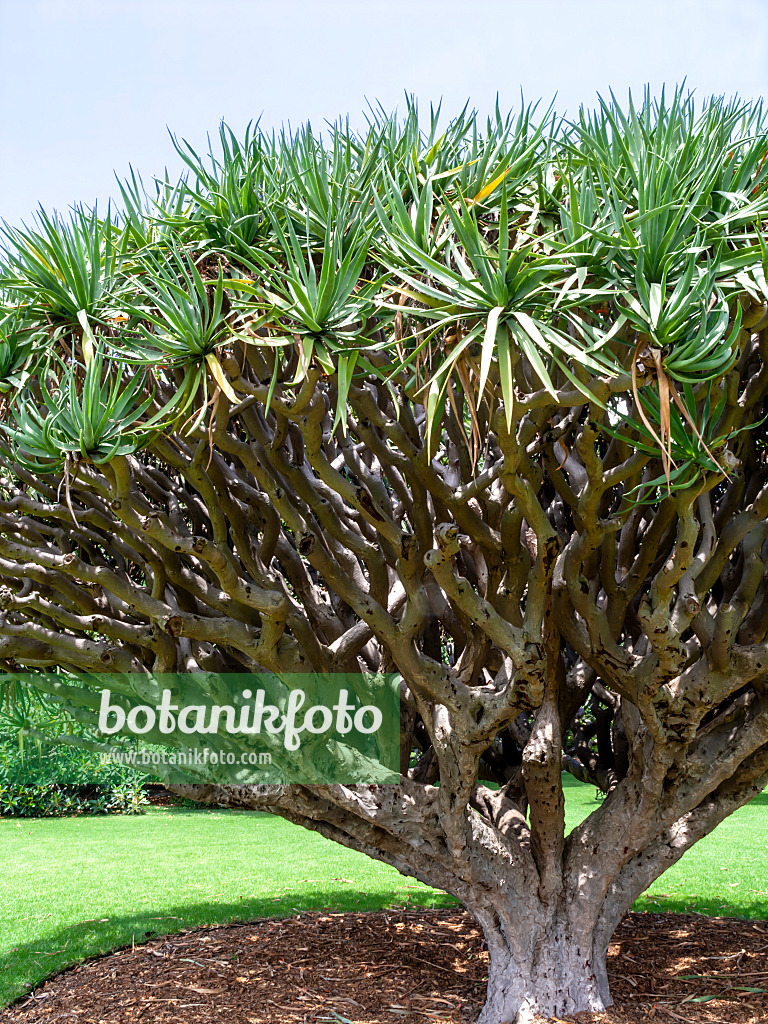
396 965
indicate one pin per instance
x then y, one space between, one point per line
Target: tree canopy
483 405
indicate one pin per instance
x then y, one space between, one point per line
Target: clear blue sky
87 87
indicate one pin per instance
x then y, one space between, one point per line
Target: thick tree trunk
548 967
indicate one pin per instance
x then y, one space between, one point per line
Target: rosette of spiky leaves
318 181
19 341
91 413
585 236
149 220
669 193
228 195
179 326
697 443
26 711
665 174
459 159
502 294
316 295
329 305
58 268
688 324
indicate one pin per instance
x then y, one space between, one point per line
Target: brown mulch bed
396 966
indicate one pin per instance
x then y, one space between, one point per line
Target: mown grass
74 887
723 875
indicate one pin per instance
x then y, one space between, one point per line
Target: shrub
56 801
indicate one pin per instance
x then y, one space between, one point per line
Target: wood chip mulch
396 965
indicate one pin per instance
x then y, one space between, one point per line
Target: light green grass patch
724 875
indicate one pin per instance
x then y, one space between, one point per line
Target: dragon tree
482 405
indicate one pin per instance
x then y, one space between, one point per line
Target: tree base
553 978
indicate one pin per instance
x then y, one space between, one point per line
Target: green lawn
73 887
724 875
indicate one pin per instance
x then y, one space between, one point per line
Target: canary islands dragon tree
483 405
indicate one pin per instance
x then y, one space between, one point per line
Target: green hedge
59 780
55 801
